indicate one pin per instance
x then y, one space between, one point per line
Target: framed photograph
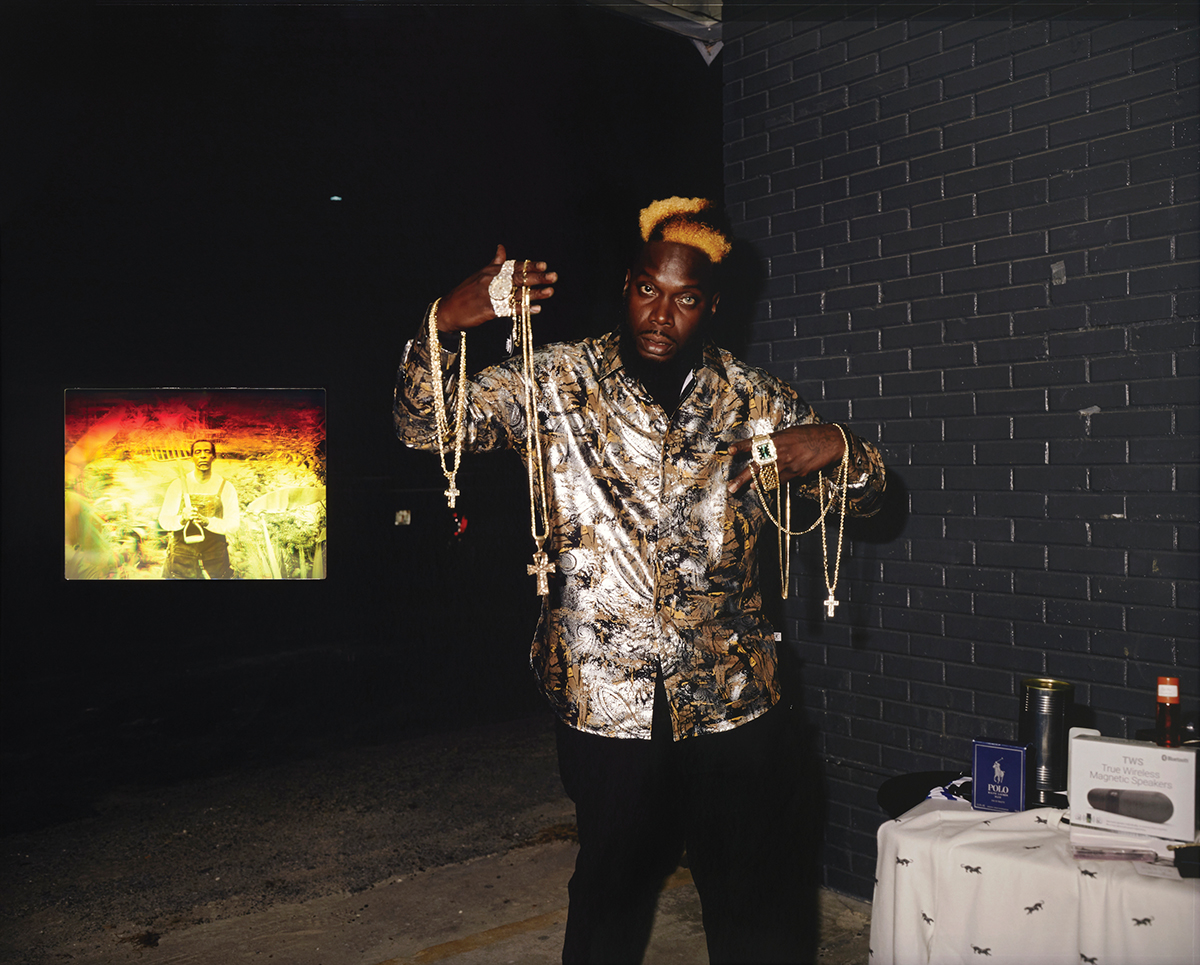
194 484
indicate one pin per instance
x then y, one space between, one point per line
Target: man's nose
661 312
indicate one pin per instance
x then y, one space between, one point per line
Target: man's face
202 455
668 297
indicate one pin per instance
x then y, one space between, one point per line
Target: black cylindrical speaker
1043 728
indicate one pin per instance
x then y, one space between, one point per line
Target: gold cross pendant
451 495
830 605
542 567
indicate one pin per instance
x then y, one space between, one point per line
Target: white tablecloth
957 885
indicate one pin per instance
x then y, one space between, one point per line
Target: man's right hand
469 305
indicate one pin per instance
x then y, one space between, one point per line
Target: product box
1133 786
998 776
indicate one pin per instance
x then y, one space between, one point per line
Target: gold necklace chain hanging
541 567
439 403
769 479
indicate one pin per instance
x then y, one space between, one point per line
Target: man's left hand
800 450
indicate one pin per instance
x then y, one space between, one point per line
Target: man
199 511
653 647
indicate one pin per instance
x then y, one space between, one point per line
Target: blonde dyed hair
681 220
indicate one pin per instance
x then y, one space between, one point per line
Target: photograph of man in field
196 484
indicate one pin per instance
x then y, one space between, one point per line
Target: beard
663 380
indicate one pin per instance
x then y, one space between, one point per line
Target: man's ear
712 303
625 287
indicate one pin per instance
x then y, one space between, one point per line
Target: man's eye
646 289
688 299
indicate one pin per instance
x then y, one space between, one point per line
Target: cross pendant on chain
451 495
830 604
542 567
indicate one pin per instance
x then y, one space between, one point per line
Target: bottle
1166 722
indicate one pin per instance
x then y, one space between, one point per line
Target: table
957 885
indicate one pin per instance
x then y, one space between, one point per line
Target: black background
168 222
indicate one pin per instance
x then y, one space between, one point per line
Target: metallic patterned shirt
656 565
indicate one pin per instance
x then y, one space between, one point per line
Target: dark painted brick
1011 453
896 383
979 428
825 147
854 116
1087 452
819 103
966 28
1089 180
766 36
1014 40
1134 87
790 48
1091 70
1030 374
850 72
1070 158
1173 622
929 262
878 224
940 65
980 78
1130 30
941 113
1051 586
1089 126
980 226
767 79
1131 646
1089 234
801 261
851 162
979 578
1164 107
901 54
1164 165
978 179
840 30
1168 335
1013 196
1065 51
879 178
1051 531
913 240
852 297
878 85
907 195
853 251
1153 592
819 237
1185 132
914 145
974 279
1050 425
1134 254
1164 278
1089 288
948 209
1138 197
941 162
1011 299
1047 215
1129 310
1089 614
979 678
860 345
1133 365
749 148
889 36
1164 221
768 163
879 131
904 289
937 357
911 97
1145 140
1012 95
796 133
879 316
1177 46
1011 247
1015 400
879 269
1142 479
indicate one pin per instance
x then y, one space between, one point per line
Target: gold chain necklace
783 506
541 567
439 403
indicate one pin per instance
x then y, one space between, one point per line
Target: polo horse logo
997 772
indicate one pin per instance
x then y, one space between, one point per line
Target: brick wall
979 232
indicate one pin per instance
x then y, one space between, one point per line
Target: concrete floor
450 848
505 908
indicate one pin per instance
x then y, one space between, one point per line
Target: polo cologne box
1133 786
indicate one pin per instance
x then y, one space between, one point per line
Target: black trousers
729 799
